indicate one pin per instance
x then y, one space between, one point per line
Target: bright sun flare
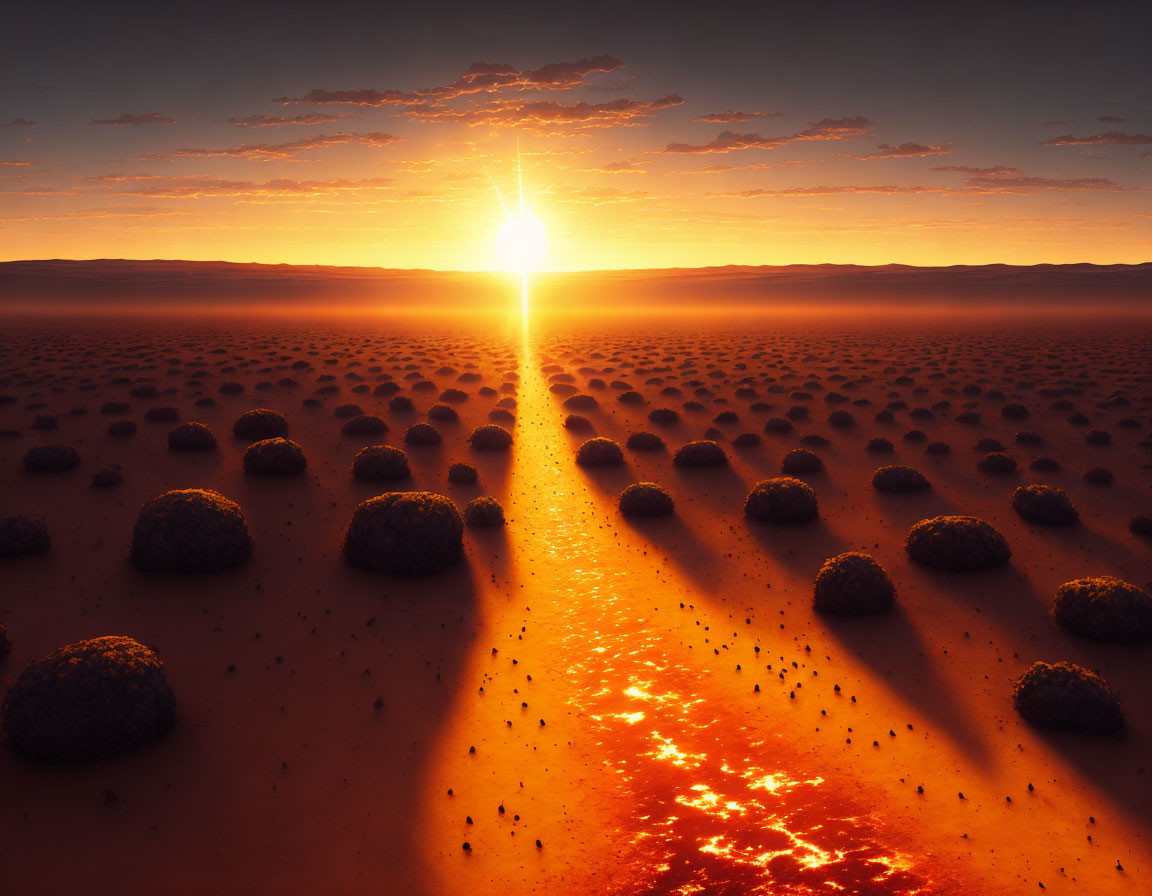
520 243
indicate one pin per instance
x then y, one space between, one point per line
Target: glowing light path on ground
715 801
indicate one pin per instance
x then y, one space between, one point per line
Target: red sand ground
659 767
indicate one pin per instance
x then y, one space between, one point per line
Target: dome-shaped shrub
411 533
853 584
190 530
89 700
380 462
490 437
1104 608
801 460
899 478
462 474
422 434
274 457
21 535
51 458
253 426
781 500
191 437
996 462
1064 695
599 452
484 512
364 425
959 543
645 441
646 499
1044 504
703 453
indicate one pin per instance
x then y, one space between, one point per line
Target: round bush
778 425
747 440
959 543
380 462
191 437
442 412
1098 437
581 403
899 478
646 499
121 428
704 453
1140 524
781 500
853 584
364 425
577 423
190 530
348 411
599 452
162 415
645 441
1044 504
880 445
1098 476
274 457
401 404
801 460
938 448
51 458
422 434
259 424
21 535
484 512
1064 695
1104 608
841 418
996 462
411 533
1045 464
490 437
89 700
462 474
663 415
108 477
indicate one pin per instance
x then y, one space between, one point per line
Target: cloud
130 120
1116 137
1000 179
265 121
627 166
200 188
825 129
21 123
903 151
15 164
265 151
481 77
731 117
1110 119
123 211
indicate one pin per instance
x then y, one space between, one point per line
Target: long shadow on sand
892 647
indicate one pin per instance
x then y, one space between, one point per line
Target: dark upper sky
1038 114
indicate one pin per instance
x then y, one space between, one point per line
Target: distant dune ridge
111 284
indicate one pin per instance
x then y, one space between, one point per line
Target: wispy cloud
481 77
1120 138
627 166
21 123
129 119
266 151
198 188
266 121
902 151
729 141
731 117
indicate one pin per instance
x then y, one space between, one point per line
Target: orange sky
673 159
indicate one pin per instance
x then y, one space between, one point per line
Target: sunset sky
652 135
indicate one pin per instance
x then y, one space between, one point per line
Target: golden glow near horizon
520 242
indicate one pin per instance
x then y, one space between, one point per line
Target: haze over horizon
377 137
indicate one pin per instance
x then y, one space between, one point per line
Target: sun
521 243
